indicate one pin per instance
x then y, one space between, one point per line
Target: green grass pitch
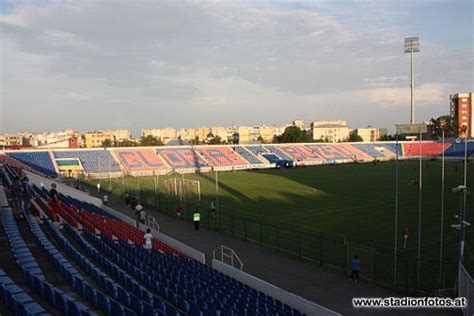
353 200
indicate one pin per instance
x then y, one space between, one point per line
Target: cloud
74 96
178 63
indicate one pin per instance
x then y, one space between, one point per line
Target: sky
140 64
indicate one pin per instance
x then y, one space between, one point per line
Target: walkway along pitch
330 289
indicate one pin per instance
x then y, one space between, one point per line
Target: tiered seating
189 285
15 298
140 159
107 225
256 149
181 158
93 161
74 278
376 150
457 149
38 160
276 151
301 153
395 147
427 149
247 155
7 160
130 291
78 204
221 156
157 282
107 303
339 152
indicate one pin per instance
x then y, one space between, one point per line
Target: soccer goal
184 189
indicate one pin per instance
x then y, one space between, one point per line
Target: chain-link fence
329 251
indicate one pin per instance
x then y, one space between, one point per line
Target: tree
195 141
293 134
261 140
354 137
107 143
126 143
150 140
213 140
387 137
446 123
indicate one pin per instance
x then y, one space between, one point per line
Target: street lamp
412 45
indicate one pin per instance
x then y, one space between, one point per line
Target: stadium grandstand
162 160
102 268
141 160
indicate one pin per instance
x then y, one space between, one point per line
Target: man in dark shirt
16 193
26 188
53 193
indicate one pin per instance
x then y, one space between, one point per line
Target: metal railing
153 223
466 289
333 251
223 253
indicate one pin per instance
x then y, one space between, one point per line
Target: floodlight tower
412 45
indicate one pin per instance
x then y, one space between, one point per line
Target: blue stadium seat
247 155
38 160
93 161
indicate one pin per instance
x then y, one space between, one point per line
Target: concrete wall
293 300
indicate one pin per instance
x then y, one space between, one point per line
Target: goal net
183 189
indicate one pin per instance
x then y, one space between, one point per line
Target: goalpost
185 189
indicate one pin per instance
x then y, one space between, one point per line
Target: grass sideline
353 200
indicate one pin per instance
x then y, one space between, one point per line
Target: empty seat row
35 279
221 156
130 291
196 283
181 158
105 302
93 161
247 155
16 300
140 159
38 160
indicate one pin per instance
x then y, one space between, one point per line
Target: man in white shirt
148 239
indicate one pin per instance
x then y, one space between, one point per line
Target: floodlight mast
412 45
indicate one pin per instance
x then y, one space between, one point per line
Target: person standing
138 210
127 198
16 194
133 202
142 216
213 208
53 193
26 188
196 219
148 239
179 210
355 264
